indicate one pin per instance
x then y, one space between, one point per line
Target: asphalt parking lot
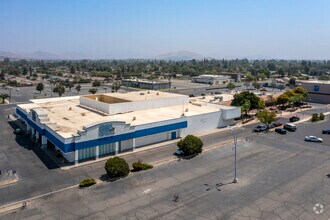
280 177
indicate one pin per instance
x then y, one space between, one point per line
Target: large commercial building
318 91
211 79
92 126
146 84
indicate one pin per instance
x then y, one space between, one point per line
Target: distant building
211 79
146 84
236 77
318 91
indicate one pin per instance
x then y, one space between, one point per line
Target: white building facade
93 126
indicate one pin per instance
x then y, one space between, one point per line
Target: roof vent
134 118
148 92
142 93
186 109
157 93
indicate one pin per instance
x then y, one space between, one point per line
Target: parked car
294 118
290 127
191 95
277 124
313 139
280 130
217 93
260 128
202 94
179 152
263 89
17 131
326 131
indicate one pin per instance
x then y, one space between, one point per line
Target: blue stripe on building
66 148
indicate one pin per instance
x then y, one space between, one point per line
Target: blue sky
289 29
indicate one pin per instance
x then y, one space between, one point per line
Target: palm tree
3 96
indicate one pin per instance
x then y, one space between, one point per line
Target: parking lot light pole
235 135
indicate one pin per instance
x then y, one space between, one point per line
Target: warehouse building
146 84
318 91
211 79
93 126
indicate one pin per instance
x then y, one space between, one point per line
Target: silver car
313 139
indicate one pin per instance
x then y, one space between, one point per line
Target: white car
313 139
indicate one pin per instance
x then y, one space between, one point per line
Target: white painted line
147 191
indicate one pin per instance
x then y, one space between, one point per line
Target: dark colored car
263 89
191 95
294 118
277 124
260 128
217 92
326 131
280 130
202 94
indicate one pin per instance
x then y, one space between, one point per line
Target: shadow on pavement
24 141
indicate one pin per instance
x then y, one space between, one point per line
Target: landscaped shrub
315 117
190 145
116 167
87 182
322 116
138 166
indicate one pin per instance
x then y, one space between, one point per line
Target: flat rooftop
315 81
66 116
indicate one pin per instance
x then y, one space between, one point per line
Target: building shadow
24 141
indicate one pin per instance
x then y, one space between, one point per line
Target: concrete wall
133 106
151 139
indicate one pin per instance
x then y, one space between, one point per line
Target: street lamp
235 136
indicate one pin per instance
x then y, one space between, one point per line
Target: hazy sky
145 28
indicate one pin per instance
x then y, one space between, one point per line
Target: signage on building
106 130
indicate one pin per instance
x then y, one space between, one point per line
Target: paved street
280 177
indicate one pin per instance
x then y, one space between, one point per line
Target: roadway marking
147 191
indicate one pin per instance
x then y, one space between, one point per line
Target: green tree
78 88
40 87
73 69
96 83
230 86
256 85
115 86
69 85
292 81
301 91
245 107
266 117
282 99
240 99
249 77
59 89
261 76
3 97
190 145
116 167
93 90
270 101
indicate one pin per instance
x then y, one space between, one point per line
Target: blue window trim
66 148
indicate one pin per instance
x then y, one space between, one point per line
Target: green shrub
315 117
116 167
190 145
87 182
322 116
138 166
